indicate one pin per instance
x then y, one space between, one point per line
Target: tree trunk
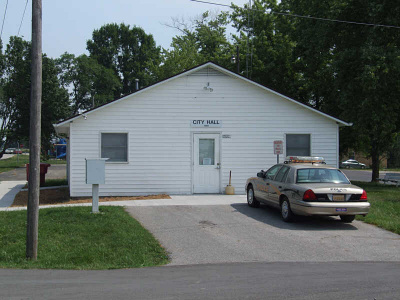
5 146
375 164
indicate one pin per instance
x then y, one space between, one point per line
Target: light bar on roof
305 159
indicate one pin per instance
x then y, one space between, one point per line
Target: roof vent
137 84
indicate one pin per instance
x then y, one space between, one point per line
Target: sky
67 25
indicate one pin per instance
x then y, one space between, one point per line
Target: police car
304 185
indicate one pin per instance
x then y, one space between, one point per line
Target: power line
4 18
305 17
23 15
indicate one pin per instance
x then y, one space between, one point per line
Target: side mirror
261 174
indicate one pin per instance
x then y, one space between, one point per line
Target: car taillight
309 196
364 195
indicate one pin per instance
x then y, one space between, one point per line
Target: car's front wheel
286 211
251 200
347 218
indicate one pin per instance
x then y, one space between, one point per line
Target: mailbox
95 170
95 175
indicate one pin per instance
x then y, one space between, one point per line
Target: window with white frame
114 146
298 144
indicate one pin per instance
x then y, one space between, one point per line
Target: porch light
208 88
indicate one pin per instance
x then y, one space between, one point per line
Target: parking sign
278 147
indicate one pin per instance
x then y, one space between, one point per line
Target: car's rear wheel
286 211
251 200
347 218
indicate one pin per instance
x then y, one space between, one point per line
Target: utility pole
34 134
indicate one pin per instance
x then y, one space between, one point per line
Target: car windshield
316 175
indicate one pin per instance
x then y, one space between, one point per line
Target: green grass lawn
13 162
53 182
54 161
73 238
385 205
21 160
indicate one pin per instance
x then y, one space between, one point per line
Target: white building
184 134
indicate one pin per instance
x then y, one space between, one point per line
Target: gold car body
332 198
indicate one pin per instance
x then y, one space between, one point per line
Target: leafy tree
55 103
393 160
270 48
88 81
350 71
202 40
130 52
211 40
16 88
7 108
183 56
346 70
367 68
314 42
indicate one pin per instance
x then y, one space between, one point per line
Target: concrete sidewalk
177 200
8 190
5 156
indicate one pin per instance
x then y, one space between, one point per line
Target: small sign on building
278 149
206 123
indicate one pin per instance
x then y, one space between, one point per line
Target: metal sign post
278 149
95 175
95 198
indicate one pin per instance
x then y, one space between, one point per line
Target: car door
353 164
277 185
259 186
264 184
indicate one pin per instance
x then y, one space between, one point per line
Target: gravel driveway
238 233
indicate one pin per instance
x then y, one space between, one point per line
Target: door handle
218 166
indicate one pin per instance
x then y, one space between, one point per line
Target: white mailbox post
95 175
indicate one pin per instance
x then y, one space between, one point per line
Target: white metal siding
158 122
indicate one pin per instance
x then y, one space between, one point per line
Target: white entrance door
206 163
